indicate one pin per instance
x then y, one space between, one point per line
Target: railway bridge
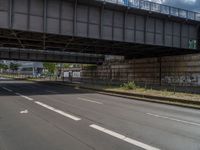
131 28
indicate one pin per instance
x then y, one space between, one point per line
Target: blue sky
193 5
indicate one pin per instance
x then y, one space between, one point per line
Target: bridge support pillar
198 40
160 70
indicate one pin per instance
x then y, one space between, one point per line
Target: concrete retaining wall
177 70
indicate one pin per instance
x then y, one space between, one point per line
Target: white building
28 68
31 68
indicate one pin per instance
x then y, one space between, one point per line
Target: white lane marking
124 138
26 97
51 92
58 111
88 100
174 119
24 112
9 90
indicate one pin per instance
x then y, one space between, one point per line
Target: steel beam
10 14
198 41
18 54
75 18
55 35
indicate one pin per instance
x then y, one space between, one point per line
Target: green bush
129 86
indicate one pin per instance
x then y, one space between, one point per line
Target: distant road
54 117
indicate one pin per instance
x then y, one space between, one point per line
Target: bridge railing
159 8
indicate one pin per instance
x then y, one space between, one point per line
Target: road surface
54 117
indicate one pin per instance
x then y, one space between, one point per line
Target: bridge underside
94 27
49 56
60 43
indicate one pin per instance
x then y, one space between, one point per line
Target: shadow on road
42 88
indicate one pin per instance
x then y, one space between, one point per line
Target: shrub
129 86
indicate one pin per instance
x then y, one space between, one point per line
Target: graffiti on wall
190 79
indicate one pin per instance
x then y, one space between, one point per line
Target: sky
193 5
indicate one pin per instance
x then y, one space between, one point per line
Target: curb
133 96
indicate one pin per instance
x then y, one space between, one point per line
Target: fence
155 7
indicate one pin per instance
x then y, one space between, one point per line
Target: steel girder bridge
49 56
111 27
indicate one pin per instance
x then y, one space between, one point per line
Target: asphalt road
54 117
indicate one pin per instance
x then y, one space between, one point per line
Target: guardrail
155 7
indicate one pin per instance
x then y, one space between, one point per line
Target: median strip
58 111
123 138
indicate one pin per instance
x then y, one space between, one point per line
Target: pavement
37 116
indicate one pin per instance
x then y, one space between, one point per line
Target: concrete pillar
198 40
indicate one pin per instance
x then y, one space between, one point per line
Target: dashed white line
26 97
58 111
124 138
88 100
9 90
24 112
174 119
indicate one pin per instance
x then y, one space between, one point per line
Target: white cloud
158 1
183 1
189 1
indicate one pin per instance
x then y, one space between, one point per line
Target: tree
51 67
66 65
3 66
14 66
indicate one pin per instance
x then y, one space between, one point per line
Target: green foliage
14 66
89 66
66 65
51 67
129 86
3 66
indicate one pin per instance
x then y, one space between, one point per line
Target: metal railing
155 7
